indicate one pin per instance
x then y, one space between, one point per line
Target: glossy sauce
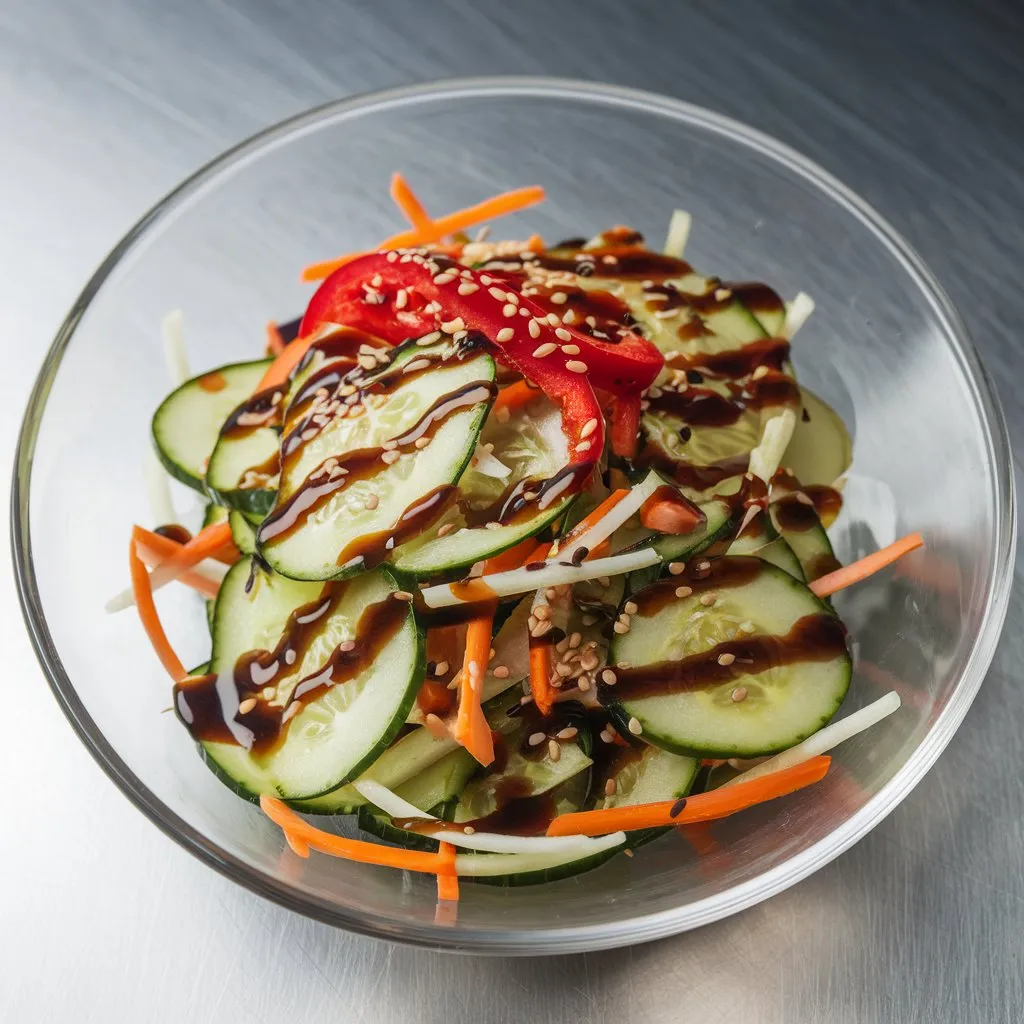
208 705
213 382
174 531
263 409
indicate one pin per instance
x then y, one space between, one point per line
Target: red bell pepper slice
401 294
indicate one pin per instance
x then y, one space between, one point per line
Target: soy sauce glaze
208 705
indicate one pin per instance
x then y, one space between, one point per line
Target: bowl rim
579 938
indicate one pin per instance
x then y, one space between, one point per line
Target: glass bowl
884 347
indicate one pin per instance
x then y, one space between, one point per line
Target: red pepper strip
625 425
342 299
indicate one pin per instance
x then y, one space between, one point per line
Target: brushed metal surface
106 106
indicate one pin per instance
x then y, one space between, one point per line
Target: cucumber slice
820 450
407 758
532 447
187 423
802 531
243 469
515 869
787 676
243 533
323 529
762 539
337 735
214 514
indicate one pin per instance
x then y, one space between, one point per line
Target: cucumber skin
255 502
576 867
177 471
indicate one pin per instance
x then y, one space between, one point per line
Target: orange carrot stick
167 546
515 396
197 581
302 834
535 243
496 206
471 728
275 343
151 623
865 567
278 371
540 677
719 803
208 540
447 880
407 201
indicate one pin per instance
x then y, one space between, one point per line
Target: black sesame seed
695 376
579 555
685 433
677 808
534 566
806 416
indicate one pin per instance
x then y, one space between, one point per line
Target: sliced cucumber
334 737
802 531
214 514
762 539
760 616
336 527
243 533
820 450
405 759
532 447
187 423
243 469
515 869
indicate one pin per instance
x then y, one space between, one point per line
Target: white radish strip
554 574
797 313
174 347
615 517
212 570
471 865
826 739
157 490
491 842
678 234
484 462
766 458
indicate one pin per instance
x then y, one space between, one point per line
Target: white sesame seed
576 366
500 671
468 287
542 612
747 627
630 608
570 350
495 293
569 733
721 294
458 324
609 788
534 328
347 645
569 316
441 668
536 739
391 256
429 339
703 566
444 530
725 660
708 599
554 750
675 568
389 446
583 446
291 711
543 350
635 727
505 334
553 319
562 334
247 705
402 595
621 628
390 457
739 694
421 442
509 309
401 298
589 427
371 502
559 298
684 591
761 371
608 677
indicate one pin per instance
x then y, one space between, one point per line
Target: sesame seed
607 736
347 645
563 669
747 627
444 278
569 316
542 612
534 328
721 294
492 525
677 808
726 659
630 608
536 739
588 619
458 324
761 371
553 319
675 568
576 366
509 309
524 311
803 499
291 711
703 566
543 350
635 727
583 446
468 287
421 442
570 350
429 339
391 256
402 595
684 591
629 853
608 677
389 446
247 705
441 668
505 334
589 427
468 830
541 629
739 694
401 298
621 628
708 599
562 334
500 672
503 415
610 787
444 530
623 665
371 502
554 750
390 457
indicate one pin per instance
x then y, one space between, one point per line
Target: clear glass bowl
884 347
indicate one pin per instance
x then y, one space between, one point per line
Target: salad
515 552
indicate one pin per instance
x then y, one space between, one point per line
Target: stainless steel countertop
104 107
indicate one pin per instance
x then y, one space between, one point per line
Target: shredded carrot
674 515
208 540
593 517
278 371
143 592
167 546
540 677
301 833
496 206
471 728
447 880
515 396
513 558
197 581
275 343
535 243
865 567
718 803
406 200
